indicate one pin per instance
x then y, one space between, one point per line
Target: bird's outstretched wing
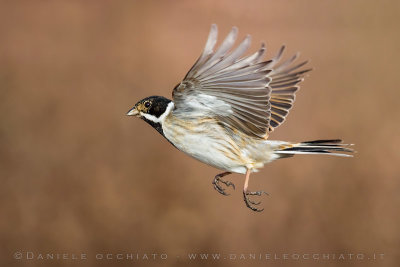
246 93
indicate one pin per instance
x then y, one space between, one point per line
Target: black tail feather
327 141
331 146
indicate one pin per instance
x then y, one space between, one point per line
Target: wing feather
218 56
228 60
246 93
208 50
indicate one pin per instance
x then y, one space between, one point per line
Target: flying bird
225 108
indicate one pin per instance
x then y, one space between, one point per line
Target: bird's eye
147 104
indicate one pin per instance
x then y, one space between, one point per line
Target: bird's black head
153 110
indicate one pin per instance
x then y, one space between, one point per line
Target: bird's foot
250 203
217 186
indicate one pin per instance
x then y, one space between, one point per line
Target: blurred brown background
78 176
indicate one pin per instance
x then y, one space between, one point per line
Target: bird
227 105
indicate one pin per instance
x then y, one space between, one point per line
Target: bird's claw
216 182
250 202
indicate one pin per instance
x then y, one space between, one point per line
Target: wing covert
235 89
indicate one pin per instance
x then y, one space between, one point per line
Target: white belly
205 143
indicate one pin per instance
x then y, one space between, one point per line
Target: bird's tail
329 147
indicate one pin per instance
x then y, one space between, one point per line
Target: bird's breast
205 140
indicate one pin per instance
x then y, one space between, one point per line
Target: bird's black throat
158 107
155 125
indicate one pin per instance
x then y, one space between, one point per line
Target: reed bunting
225 108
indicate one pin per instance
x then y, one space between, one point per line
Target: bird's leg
218 179
246 194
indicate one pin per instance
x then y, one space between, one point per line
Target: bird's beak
133 112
